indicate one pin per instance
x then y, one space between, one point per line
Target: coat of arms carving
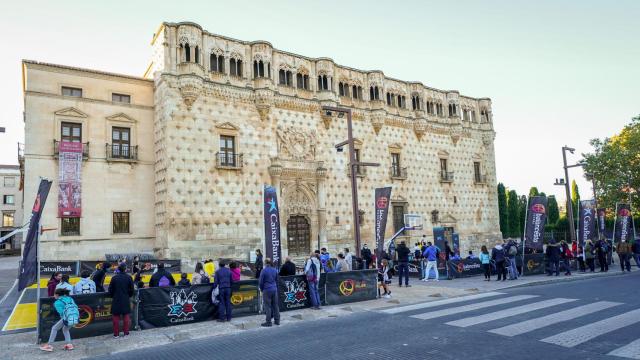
296 143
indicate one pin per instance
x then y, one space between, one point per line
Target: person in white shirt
348 258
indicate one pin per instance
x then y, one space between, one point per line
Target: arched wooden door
298 235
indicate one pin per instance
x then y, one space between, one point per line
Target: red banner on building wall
69 184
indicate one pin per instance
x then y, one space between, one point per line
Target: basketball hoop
412 222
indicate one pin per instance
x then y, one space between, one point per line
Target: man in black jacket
99 275
366 256
121 291
403 263
288 268
553 256
161 278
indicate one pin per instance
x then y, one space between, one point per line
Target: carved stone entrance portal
298 235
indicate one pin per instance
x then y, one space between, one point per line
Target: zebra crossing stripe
541 322
471 307
585 333
501 314
631 351
430 304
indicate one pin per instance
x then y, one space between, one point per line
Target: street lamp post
353 165
572 226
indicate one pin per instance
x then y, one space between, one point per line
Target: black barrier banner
586 222
168 306
172 266
464 268
536 219
623 225
64 267
272 244
29 265
351 286
129 257
381 211
602 213
245 298
415 268
533 264
293 292
95 317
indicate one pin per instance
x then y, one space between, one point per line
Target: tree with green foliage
615 166
522 209
575 197
533 192
502 210
514 214
552 210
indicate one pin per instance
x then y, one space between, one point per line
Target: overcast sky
558 72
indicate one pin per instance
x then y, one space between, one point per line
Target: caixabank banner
351 286
95 317
168 306
65 267
293 293
536 220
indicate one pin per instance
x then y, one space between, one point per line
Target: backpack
312 273
70 314
164 282
205 278
513 251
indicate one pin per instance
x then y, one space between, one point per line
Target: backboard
413 222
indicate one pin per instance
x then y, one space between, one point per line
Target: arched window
258 69
323 82
302 81
340 89
285 77
354 92
235 67
360 92
377 93
371 94
187 52
197 55
400 101
415 102
216 62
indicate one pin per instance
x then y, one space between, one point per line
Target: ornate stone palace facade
214 119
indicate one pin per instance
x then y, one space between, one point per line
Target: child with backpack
69 316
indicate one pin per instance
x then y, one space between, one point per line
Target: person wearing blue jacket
222 280
269 286
431 256
485 260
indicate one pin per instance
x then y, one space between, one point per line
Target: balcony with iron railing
398 172
446 176
85 149
228 160
480 179
121 152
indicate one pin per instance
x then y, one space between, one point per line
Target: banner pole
615 222
524 235
38 285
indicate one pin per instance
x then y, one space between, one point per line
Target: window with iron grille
71 91
121 222
70 226
395 164
227 155
121 141
122 98
443 166
71 132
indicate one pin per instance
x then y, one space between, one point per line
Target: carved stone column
275 170
321 174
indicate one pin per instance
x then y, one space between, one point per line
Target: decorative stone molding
488 137
296 143
377 120
456 134
71 112
326 119
420 127
321 172
263 100
190 89
121 117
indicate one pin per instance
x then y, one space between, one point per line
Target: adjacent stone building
11 205
214 119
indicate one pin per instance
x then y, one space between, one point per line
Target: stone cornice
64 69
247 95
87 100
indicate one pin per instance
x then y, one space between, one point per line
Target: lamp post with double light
353 166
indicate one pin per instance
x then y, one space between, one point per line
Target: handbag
214 296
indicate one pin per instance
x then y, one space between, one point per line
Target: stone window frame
61 234
374 92
239 65
446 175
228 129
121 93
302 78
476 158
83 121
113 212
401 172
11 214
122 120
